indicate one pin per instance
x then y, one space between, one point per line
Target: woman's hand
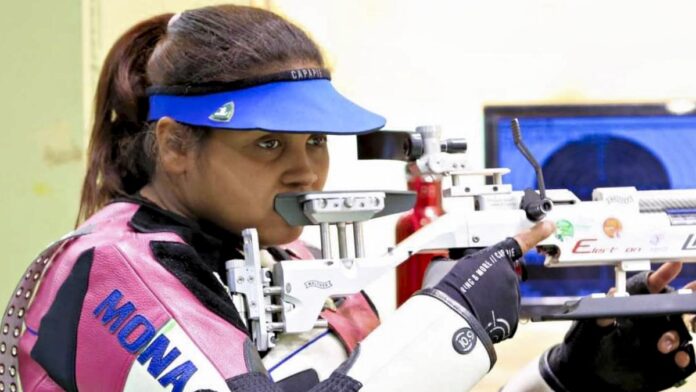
485 283
529 238
658 282
624 354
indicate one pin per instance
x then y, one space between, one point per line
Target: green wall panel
41 129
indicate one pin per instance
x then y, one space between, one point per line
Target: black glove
619 357
485 283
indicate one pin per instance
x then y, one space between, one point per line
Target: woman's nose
302 171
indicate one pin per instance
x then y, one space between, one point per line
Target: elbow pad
430 344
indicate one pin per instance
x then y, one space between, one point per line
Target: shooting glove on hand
485 283
620 357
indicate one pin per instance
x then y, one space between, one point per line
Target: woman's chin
280 235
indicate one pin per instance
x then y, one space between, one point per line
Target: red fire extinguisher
409 274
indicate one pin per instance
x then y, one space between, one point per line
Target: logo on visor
224 113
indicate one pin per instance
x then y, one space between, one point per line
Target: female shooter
201 119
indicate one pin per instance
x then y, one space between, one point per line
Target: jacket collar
214 244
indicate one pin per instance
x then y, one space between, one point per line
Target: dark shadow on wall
603 161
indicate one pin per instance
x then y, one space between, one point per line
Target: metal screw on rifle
475 240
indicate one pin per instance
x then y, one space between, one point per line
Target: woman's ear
174 154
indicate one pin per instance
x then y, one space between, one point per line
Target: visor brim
307 106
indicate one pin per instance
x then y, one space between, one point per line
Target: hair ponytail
116 162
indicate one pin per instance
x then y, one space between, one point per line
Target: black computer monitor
582 147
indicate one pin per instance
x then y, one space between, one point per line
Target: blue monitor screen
585 147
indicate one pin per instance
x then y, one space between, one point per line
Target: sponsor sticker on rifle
612 227
564 229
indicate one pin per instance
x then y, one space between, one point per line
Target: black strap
216 87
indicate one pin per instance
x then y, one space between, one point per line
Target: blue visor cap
303 106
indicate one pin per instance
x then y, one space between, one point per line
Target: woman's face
237 175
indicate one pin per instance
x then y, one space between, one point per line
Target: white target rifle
622 227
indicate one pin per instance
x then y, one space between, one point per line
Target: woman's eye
317 140
270 144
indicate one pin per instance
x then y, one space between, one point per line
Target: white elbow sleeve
430 344
529 379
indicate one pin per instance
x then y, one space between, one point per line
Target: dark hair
212 44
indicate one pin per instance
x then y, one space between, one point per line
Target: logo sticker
657 239
564 229
690 243
224 113
464 340
612 228
498 329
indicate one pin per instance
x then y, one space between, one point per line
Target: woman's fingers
682 359
529 238
605 322
668 342
658 280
